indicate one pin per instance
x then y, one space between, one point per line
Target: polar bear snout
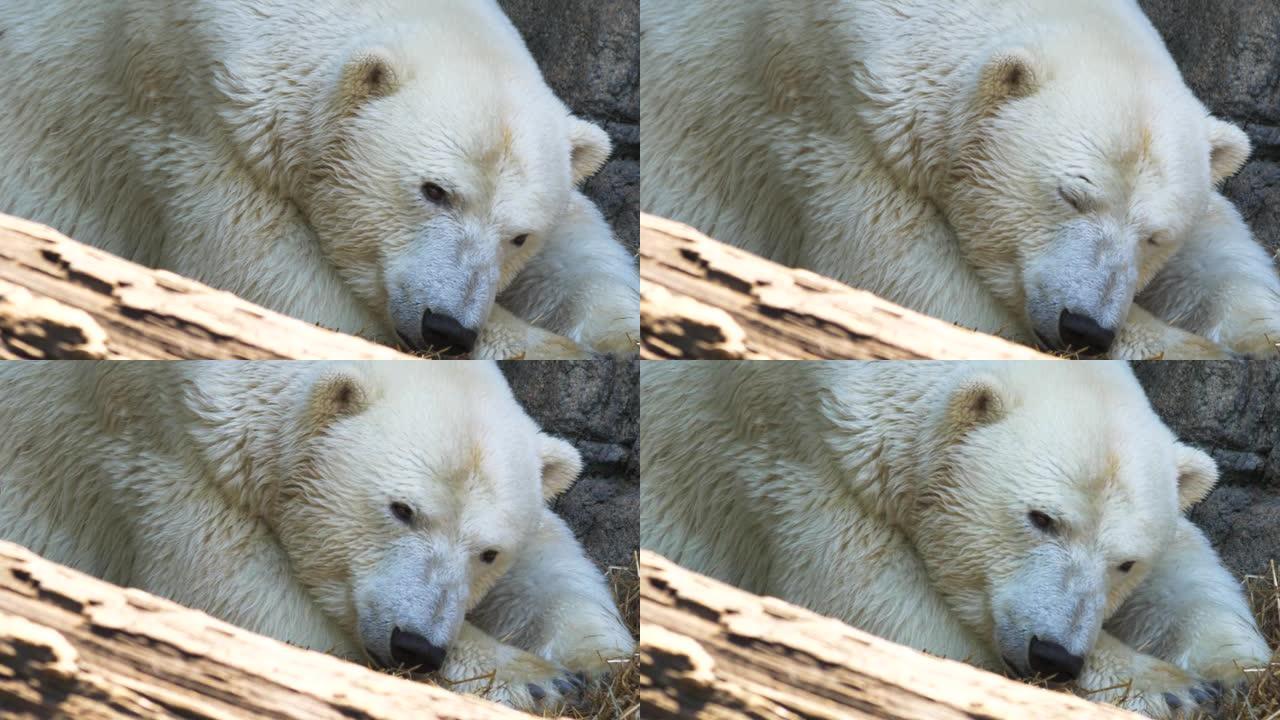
446 334
1052 662
437 305
411 605
1083 333
1079 290
413 650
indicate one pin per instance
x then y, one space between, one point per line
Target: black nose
1052 662
1084 334
444 334
413 650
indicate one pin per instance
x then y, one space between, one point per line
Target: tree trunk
709 650
60 299
701 299
74 646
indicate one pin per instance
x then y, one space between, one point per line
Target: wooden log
60 299
74 646
708 650
701 299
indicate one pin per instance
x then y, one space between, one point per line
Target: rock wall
594 404
1231 410
1229 52
590 54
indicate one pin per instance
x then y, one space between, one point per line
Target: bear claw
1173 701
536 691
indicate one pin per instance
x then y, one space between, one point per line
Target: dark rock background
595 405
1231 410
1229 52
589 51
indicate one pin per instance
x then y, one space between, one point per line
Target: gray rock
594 404
1230 55
1231 410
589 52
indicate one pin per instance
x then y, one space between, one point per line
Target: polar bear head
1084 163
1050 492
442 161
415 488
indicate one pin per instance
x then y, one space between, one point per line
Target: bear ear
336 393
1008 75
976 401
590 149
1229 148
370 73
561 464
1197 474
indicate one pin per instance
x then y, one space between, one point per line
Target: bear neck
869 441
248 429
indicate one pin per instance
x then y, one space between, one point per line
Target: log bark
74 646
701 299
708 650
60 299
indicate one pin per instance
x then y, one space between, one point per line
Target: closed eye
1070 199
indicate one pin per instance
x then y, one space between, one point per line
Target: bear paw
1228 675
596 668
548 346
627 343
1166 691
1196 348
1147 338
1266 347
506 337
537 686
614 333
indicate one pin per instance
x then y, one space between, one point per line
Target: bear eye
1126 566
1154 240
519 240
435 193
1070 200
489 556
1040 520
403 512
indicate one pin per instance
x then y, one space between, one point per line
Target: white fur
279 151
931 152
896 497
261 493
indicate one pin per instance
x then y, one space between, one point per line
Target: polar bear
1024 168
394 513
1024 517
397 169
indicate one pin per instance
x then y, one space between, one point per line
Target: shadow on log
712 651
703 300
74 646
61 300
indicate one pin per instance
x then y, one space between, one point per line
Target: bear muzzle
446 335
1052 662
416 652
1083 334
